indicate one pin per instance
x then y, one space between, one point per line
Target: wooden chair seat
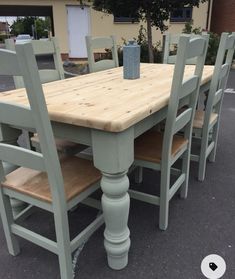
79 174
62 146
148 147
199 118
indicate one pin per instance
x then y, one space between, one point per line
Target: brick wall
223 16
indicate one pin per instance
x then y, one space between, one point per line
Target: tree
31 25
154 12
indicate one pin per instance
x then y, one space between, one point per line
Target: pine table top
106 101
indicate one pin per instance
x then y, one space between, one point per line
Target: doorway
78 28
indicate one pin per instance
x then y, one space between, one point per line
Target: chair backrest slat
218 96
189 86
43 47
224 71
48 75
182 120
230 42
10 62
22 157
102 42
196 48
18 115
93 43
172 59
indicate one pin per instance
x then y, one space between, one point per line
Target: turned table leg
115 204
113 154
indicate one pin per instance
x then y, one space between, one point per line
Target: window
181 15
124 19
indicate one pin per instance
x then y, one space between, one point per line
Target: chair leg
215 134
7 221
63 243
139 175
202 158
26 136
164 197
185 170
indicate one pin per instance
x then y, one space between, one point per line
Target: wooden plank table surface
105 100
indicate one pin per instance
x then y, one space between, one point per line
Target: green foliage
18 27
188 28
213 42
25 25
143 43
212 48
42 27
157 11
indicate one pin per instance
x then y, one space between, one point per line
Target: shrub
143 43
188 28
212 48
213 41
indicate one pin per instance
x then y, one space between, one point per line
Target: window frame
184 18
124 19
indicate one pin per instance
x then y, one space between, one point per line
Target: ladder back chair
41 180
206 122
94 43
159 151
42 47
47 47
170 48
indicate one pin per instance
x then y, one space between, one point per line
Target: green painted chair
41 180
170 48
206 122
44 47
159 151
47 47
101 43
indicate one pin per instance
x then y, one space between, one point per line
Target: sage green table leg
113 155
115 205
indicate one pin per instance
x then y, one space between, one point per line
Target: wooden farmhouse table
107 112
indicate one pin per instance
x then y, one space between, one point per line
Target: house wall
222 19
102 24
